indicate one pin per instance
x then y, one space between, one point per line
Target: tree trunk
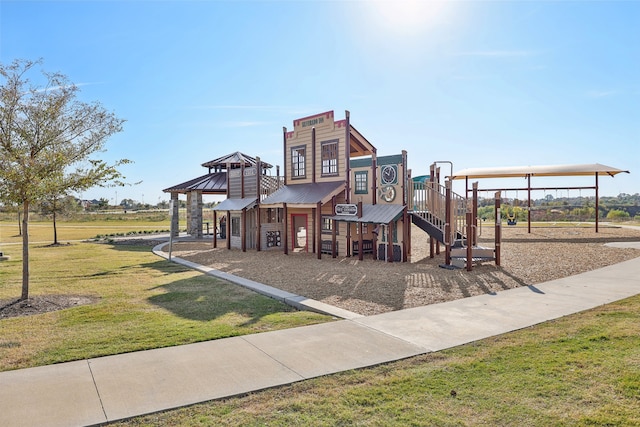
19 224
25 251
55 230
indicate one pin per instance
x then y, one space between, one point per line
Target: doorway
299 232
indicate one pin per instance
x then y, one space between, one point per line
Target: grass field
142 302
582 370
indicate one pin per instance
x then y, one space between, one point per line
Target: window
330 158
362 182
298 162
327 225
235 226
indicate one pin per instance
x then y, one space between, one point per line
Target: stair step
477 252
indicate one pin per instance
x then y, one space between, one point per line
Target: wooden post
390 242
498 229
284 150
286 229
475 213
447 224
360 240
319 229
469 239
243 234
313 155
529 203
228 229
215 229
334 225
359 225
259 228
597 203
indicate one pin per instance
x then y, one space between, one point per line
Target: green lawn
143 302
582 370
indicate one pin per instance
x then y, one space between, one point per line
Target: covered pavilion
215 182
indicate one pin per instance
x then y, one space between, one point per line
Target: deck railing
269 185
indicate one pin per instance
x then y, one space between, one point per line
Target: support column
195 213
175 215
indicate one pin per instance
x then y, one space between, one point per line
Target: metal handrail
428 201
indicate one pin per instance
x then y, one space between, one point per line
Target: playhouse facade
335 196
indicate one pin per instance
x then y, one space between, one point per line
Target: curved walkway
114 387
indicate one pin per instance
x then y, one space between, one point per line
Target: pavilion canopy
524 171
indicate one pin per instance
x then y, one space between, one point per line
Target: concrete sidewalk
114 387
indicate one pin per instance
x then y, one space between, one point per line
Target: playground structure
337 197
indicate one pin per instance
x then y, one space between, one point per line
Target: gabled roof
304 194
374 214
360 146
211 183
235 160
523 171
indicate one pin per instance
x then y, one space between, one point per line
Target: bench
367 247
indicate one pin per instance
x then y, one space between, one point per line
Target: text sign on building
346 209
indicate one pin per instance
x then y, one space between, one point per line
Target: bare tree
47 138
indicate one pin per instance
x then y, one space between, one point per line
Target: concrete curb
297 301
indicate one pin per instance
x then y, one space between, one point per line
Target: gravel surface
370 287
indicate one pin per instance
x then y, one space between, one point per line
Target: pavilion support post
175 215
529 203
469 239
498 230
475 213
597 203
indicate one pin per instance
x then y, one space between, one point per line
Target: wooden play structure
337 197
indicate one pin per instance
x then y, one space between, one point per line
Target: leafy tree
47 138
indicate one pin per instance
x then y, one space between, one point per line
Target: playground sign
349 209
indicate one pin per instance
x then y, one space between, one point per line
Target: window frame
298 168
358 189
236 227
331 167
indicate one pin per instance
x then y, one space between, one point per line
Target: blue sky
478 83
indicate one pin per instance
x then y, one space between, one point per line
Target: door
299 232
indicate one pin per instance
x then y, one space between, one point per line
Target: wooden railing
269 185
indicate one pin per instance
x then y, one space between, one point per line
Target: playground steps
430 227
478 254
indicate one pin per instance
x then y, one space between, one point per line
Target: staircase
429 212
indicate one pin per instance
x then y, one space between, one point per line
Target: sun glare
406 17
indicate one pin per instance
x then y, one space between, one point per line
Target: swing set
595 170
